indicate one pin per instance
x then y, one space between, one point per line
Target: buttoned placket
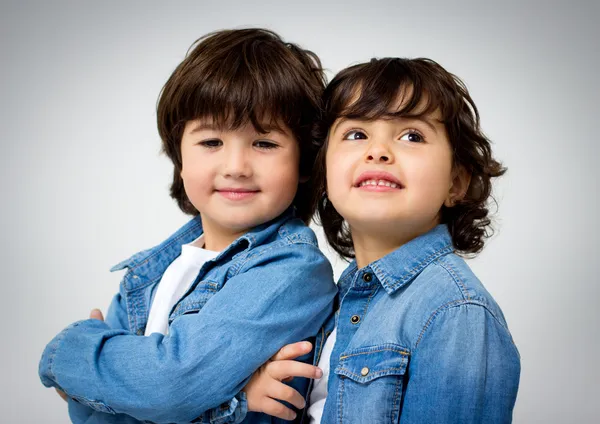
353 308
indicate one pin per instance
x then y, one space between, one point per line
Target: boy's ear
461 178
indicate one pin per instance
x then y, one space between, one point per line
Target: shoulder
294 231
446 286
449 281
290 235
293 244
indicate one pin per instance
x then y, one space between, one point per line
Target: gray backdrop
83 184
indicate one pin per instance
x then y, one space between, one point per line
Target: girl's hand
265 387
94 314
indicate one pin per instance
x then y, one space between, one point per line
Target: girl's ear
461 178
303 179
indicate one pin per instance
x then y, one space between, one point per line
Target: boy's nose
236 165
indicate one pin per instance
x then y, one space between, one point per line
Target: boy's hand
94 314
266 385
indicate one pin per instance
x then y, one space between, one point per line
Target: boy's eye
412 136
265 144
212 143
355 135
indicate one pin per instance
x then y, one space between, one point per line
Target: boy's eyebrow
202 126
212 127
274 128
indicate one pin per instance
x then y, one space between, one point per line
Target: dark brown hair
243 76
370 91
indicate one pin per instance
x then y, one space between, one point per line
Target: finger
62 394
282 370
277 409
292 351
280 391
96 314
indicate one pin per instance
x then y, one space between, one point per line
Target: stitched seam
391 349
433 315
371 375
454 274
454 304
396 400
369 300
340 411
129 305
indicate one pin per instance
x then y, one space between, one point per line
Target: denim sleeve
464 369
208 357
80 412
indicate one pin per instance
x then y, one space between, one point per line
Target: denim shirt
271 287
419 340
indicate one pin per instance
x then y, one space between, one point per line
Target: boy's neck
218 239
370 245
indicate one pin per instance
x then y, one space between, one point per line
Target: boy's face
237 179
390 176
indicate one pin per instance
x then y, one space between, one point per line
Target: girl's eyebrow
338 123
422 119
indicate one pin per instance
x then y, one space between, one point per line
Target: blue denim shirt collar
144 266
399 267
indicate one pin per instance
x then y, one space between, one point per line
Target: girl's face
390 176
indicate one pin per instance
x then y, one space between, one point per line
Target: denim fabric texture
419 340
271 287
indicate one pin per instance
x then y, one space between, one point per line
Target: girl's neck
370 246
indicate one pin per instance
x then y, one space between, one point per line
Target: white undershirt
175 282
319 391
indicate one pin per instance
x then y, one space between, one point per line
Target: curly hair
370 91
244 76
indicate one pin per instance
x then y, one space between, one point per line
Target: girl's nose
381 158
379 153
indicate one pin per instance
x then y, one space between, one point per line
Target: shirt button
364 371
355 319
367 278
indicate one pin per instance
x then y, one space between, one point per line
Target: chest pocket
195 300
371 383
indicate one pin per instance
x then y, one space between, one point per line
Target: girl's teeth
379 183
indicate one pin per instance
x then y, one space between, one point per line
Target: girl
416 337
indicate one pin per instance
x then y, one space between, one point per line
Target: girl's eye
355 135
412 136
264 144
212 143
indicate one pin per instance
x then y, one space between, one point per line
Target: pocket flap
368 363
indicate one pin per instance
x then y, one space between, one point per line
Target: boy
244 277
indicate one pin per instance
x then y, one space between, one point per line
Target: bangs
235 101
251 83
392 88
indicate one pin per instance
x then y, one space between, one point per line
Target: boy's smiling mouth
232 193
377 181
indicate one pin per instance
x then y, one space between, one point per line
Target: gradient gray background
83 184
